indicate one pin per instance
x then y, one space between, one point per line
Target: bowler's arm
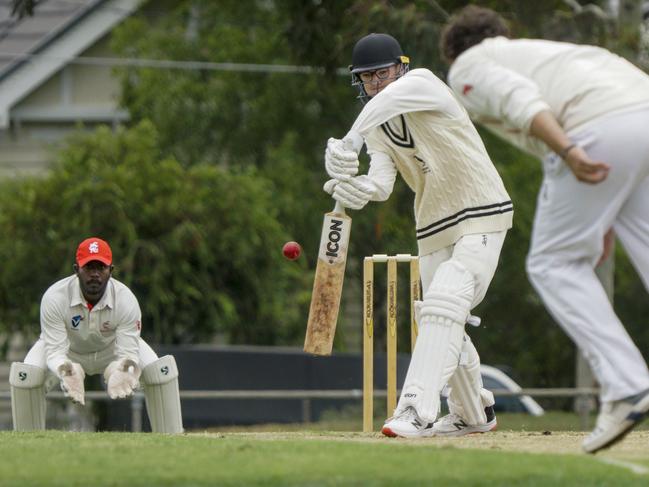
545 126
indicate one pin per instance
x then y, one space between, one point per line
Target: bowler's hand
584 168
122 378
72 375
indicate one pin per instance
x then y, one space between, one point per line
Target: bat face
328 283
335 238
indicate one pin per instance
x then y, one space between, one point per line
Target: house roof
34 48
19 37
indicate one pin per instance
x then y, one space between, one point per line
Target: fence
306 396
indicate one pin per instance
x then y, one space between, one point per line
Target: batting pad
160 379
467 397
436 355
27 396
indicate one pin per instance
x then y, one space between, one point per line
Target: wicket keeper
90 324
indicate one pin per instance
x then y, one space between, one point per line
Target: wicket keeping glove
341 162
122 378
72 375
354 193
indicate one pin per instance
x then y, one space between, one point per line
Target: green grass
56 458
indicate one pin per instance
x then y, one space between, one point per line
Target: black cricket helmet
376 51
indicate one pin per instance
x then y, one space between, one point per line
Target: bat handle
339 208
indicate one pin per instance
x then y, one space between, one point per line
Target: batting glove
353 193
122 378
340 162
72 375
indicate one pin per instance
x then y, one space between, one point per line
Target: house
55 75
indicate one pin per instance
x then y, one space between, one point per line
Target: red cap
94 248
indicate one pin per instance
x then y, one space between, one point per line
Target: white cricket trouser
567 241
92 363
479 254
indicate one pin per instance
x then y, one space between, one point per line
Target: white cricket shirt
68 323
504 83
416 126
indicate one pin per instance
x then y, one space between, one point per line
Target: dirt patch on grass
633 447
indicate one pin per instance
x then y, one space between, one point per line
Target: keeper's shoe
454 425
407 424
615 420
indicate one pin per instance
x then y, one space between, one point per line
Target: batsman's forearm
383 174
546 127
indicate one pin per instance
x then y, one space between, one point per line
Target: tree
263 133
279 123
199 246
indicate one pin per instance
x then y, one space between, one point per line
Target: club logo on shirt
164 370
138 324
423 164
466 89
105 328
22 376
76 320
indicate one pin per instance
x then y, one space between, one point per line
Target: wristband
565 150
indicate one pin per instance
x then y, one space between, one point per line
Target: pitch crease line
634 467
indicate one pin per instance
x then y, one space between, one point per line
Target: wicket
391 328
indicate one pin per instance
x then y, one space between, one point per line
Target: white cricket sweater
504 83
68 324
416 126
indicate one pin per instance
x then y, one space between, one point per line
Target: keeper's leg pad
442 316
27 396
160 380
467 397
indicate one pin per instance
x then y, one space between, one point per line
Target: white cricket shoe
615 420
454 425
407 424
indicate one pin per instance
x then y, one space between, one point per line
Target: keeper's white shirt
69 324
416 126
504 83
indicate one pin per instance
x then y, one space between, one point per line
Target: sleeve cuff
356 140
532 111
55 363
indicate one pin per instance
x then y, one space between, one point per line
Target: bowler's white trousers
567 241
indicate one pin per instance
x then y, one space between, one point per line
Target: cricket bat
328 282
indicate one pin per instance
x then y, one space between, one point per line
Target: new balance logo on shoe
460 424
635 416
454 425
407 424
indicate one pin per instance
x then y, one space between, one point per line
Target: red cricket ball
291 250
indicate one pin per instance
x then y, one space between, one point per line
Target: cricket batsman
584 112
90 324
412 124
